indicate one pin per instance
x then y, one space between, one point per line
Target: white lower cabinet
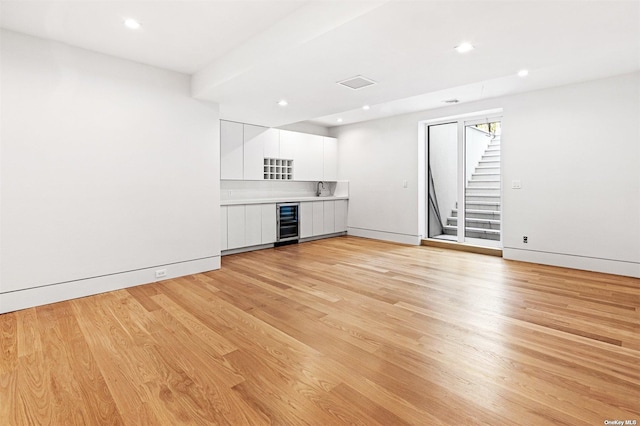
235 227
341 215
223 228
322 217
305 215
253 225
318 218
247 225
268 212
329 219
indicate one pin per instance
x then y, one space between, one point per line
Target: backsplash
243 189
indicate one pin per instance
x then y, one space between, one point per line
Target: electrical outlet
160 273
525 239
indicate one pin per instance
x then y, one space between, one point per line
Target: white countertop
278 200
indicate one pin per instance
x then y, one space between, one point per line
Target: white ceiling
248 55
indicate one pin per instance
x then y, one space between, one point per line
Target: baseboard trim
607 266
246 249
322 237
28 298
470 248
384 236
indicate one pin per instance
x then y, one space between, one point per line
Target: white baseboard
22 299
607 266
246 249
385 236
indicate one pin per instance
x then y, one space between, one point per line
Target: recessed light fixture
366 107
523 73
464 47
339 120
131 23
282 102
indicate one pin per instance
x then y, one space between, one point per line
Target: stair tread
486 203
473 219
479 211
478 230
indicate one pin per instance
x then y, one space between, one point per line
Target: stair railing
433 199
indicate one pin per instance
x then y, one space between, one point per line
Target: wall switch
405 183
515 184
161 273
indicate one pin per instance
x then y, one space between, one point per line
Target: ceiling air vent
357 82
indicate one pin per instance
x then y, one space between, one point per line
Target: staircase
482 196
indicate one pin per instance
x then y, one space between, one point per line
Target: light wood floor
338 331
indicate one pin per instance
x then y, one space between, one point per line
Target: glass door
442 181
482 183
464 182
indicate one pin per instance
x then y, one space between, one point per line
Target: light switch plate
516 184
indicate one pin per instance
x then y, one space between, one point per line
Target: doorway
463 181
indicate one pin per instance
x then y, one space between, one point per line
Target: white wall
576 150
376 157
108 168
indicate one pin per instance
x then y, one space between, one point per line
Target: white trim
489 113
22 299
607 266
248 248
385 236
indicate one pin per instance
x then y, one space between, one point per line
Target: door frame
462 120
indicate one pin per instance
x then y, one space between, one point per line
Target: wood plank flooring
330 332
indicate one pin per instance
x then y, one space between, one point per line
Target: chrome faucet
319 188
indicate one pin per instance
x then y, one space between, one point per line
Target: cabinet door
306 220
223 228
268 223
329 222
253 225
231 150
235 228
330 159
318 218
271 148
307 161
254 138
288 145
341 215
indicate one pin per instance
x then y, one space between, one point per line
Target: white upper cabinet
243 148
272 144
330 159
231 150
287 145
307 162
257 139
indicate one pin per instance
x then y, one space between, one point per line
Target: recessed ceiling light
282 102
339 120
366 107
464 47
523 73
131 23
